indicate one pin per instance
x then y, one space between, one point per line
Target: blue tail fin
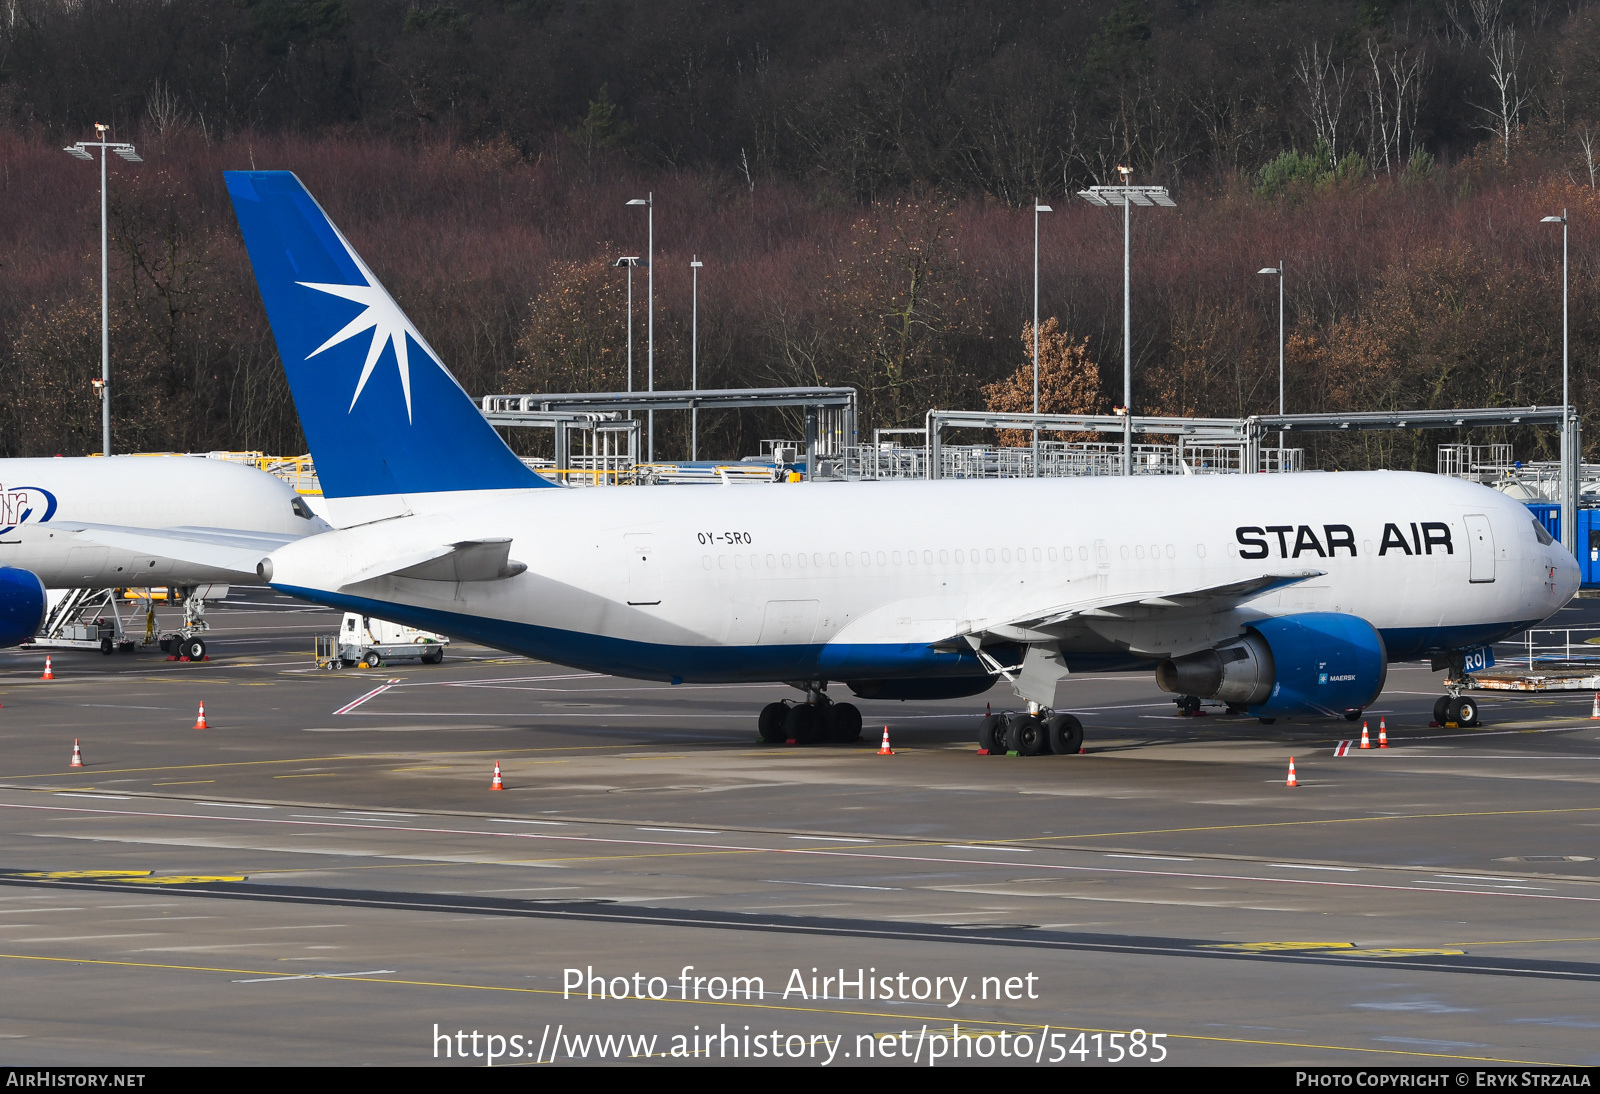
380 411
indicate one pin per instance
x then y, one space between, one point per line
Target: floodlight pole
1127 336
1127 196
694 356
105 310
1037 209
1278 270
1569 459
650 336
126 151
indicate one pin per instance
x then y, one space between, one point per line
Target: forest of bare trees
856 179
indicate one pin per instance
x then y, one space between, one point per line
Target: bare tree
1326 85
163 109
1394 93
1586 142
1504 55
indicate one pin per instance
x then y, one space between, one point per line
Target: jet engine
1320 663
22 604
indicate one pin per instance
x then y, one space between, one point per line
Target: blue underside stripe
830 661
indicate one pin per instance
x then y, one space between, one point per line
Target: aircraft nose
1568 578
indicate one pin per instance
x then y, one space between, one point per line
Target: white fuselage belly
897 565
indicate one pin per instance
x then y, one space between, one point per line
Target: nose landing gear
1461 709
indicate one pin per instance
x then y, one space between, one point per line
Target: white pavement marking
315 976
373 694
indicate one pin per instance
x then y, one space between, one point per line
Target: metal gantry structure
821 437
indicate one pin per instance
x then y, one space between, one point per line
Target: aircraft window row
834 559
990 555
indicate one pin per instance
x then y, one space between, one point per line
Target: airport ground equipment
362 638
93 619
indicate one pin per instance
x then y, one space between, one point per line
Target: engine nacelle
1315 663
22 605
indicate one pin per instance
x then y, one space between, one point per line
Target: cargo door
86 564
644 569
789 622
1480 548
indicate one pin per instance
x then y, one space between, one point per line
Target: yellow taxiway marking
84 873
940 1019
189 782
1278 824
1525 941
1277 947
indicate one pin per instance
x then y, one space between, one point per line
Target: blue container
1548 513
1589 547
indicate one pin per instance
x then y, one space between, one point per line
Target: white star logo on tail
384 318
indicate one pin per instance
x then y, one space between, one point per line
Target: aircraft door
644 569
1480 546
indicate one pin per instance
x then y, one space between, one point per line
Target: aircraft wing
1039 625
223 548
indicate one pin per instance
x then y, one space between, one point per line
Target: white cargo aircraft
1281 595
134 521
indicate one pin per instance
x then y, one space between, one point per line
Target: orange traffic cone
1365 742
200 722
1291 781
498 783
77 754
1593 717
1383 733
884 749
48 675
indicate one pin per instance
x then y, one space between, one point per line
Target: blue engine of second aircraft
22 605
1317 663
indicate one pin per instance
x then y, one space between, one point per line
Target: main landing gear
817 720
1031 732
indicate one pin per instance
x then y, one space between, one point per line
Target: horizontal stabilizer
239 552
469 560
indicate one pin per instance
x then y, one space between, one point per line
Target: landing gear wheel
803 725
770 724
1066 735
846 724
192 648
992 734
1026 736
1441 709
1463 711
1188 705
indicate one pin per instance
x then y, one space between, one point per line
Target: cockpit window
301 509
1538 530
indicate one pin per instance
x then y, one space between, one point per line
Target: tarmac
323 875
